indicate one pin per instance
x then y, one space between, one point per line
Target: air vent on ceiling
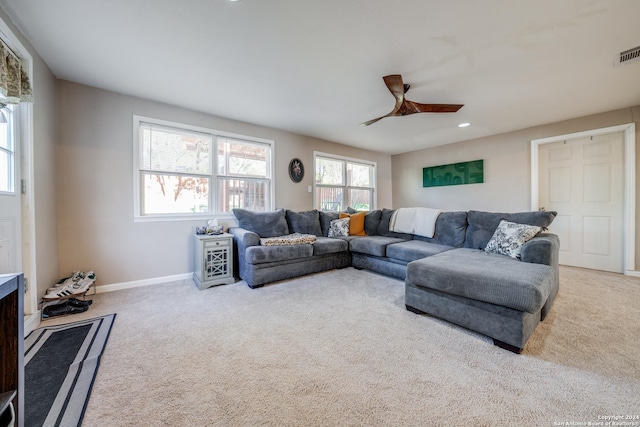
631 55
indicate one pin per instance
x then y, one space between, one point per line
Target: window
183 171
342 181
7 150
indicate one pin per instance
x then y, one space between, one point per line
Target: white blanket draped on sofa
419 221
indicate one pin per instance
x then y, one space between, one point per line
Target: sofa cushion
414 249
356 223
450 230
304 222
266 254
326 245
482 276
509 238
264 224
371 220
373 245
482 225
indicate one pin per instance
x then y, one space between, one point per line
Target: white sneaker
76 276
72 287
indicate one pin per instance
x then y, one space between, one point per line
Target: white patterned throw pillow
339 227
509 238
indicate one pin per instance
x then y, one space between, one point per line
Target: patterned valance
14 81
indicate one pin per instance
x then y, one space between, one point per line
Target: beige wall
44 168
95 184
507 168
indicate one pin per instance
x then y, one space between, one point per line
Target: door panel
10 201
583 180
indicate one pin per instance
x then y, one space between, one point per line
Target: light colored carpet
339 349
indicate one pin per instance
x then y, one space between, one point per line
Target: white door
10 200
583 180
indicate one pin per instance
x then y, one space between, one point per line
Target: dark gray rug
61 363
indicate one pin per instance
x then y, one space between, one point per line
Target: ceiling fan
404 107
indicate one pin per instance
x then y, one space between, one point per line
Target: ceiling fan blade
393 112
410 107
370 122
395 85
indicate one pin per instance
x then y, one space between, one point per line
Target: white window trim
317 154
12 153
137 192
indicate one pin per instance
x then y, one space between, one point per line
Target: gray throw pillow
509 238
304 222
371 220
325 220
264 224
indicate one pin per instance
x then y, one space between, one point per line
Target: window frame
12 151
346 187
138 190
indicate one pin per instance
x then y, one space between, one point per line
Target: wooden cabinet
213 263
11 349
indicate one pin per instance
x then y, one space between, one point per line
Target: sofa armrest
542 249
244 238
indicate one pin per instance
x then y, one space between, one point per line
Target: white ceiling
315 67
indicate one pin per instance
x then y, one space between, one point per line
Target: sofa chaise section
498 296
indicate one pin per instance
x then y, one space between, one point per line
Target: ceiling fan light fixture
464 125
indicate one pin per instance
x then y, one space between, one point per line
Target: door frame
27 203
629 207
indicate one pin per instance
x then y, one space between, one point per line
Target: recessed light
464 125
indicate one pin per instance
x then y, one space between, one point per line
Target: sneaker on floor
74 278
82 285
60 309
69 290
79 302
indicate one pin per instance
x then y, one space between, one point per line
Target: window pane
174 194
359 174
360 200
5 140
6 172
173 150
241 193
329 171
238 158
330 198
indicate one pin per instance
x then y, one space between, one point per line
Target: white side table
213 260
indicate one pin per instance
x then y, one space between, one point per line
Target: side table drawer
217 243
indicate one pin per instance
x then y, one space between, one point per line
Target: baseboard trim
140 283
632 273
31 322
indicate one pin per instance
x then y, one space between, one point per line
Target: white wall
507 168
95 184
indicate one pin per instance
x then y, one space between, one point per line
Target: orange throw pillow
356 224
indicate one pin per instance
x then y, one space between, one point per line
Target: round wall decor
296 170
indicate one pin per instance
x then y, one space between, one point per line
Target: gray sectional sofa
448 276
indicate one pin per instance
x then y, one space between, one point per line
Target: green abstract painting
453 174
